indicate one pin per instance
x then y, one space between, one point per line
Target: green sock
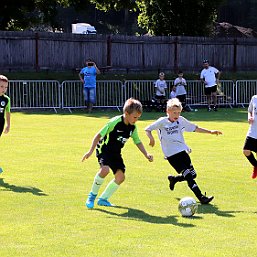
98 181
109 190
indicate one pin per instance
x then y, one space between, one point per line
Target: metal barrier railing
245 89
33 94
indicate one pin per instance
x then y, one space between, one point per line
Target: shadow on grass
135 214
209 208
19 189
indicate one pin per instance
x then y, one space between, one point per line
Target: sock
109 190
252 159
98 181
179 178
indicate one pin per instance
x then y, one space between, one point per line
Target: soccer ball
187 206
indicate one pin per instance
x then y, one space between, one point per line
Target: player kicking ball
170 130
109 142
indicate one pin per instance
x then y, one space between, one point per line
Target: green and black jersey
115 134
5 106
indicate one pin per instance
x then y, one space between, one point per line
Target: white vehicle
83 28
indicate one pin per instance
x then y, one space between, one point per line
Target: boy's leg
249 148
111 189
98 181
190 175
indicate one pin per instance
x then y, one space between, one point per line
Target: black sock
179 178
252 159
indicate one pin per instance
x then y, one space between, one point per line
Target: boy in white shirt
170 130
161 86
251 138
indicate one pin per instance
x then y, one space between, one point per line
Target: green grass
44 186
112 75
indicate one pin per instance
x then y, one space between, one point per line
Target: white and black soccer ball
187 206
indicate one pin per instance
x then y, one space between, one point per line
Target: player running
170 130
109 142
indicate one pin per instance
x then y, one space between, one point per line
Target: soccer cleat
172 182
104 202
1 170
215 109
90 200
254 175
205 200
209 109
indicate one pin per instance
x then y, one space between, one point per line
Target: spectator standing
160 86
210 77
88 77
181 92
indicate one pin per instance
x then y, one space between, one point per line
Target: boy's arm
150 136
144 152
203 130
92 148
8 122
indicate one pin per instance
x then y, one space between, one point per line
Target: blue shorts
90 94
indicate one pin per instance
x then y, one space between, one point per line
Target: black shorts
180 161
250 144
114 161
209 90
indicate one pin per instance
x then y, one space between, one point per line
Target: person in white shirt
160 86
210 77
170 130
251 137
181 92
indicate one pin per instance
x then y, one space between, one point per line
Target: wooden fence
63 51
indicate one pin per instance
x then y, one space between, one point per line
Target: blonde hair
3 78
132 105
174 102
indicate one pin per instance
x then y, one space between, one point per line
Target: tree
173 17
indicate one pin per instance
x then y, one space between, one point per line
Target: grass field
44 187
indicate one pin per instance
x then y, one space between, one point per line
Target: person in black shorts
109 141
250 145
4 107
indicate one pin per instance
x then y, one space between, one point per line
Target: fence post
235 56
36 53
109 50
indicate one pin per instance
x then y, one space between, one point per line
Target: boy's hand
86 156
7 129
216 132
149 157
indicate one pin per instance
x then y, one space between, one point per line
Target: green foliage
107 5
190 18
44 187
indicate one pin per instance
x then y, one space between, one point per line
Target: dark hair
205 61
180 71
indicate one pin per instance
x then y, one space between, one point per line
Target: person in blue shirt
87 76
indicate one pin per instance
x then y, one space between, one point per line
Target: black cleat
209 109
215 108
172 182
205 200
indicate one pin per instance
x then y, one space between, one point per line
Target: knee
246 152
119 177
104 171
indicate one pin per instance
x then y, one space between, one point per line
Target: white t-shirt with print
252 131
209 76
160 86
171 134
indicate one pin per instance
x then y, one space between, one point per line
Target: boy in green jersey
4 107
108 143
